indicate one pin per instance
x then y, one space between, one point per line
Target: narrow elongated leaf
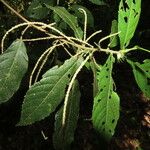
64 135
142 75
114 29
106 103
44 96
128 17
13 66
70 19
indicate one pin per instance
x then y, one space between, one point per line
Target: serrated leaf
37 10
98 2
13 66
128 18
106 103
142 75
114 29
44 96
70 19
80 15
64 135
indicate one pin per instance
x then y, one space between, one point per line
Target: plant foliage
58 89
69 19
128 18
13 66
37 10
64 135
43 98
98 2
106 103
142 75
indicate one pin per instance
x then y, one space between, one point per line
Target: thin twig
32 23
42 38
21 17
92 35
14 11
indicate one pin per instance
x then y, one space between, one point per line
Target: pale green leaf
142 75
114 29
64 135
13 66
128 18
106 103
70 19
44 96
98 2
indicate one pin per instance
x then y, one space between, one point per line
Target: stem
92 35
143 49
14 11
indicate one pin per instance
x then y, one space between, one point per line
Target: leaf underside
128 17
64 135
106 103
13 66
142 75
44 96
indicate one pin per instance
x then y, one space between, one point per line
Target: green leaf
98 2
70 19
37 10
128 18
80 15
44 96
146 67
142 75
114 29
64 135
60 25
13 66
106 103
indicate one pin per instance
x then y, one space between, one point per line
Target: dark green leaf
13 66
80 15
128 18
142 75
64 135
106 103
98 2
37 9
44 96
70 19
